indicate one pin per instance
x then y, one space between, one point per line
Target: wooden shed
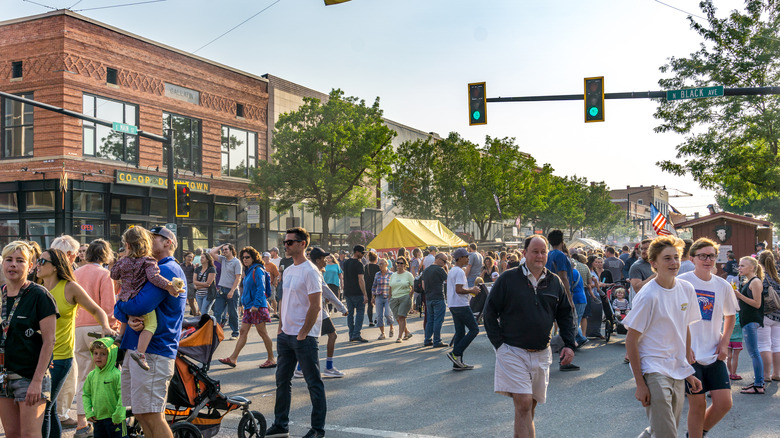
732 232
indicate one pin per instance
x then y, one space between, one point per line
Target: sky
418 56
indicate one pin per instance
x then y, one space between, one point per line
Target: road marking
376 433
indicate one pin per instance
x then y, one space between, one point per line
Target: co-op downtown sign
139 179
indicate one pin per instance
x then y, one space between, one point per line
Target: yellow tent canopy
415 233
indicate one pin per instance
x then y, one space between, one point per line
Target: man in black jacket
521 309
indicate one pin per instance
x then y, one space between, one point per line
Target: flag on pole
518 221
498 205
659 222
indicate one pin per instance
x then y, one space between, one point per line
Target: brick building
59 174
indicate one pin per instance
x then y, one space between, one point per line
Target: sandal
398 341
776 378
227 361
735 377
407 337
752 389
268 364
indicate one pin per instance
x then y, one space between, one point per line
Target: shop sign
139 179
181 93
253 214
87 227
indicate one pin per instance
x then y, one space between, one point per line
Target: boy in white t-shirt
709 343
657 339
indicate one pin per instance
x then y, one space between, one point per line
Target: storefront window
224 234
40 201
8 202
88 202
186 142
199 211
9 231
224 212
158 207
41 231
87 230
102 141
239 152
17 128
134 206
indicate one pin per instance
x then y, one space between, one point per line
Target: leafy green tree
330 156
413 179
602 215
731 143
564 206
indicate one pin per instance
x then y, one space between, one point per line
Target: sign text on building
139 179
182 93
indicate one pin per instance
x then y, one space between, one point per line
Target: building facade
59 174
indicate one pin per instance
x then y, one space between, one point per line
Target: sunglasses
246 257
291 242
704 257
43 261
400 263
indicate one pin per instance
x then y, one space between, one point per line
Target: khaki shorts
146 391
400 306
519 371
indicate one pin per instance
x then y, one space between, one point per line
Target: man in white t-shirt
275 259
430 258
709 343
299 330
657 339
462 316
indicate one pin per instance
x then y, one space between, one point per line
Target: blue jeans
51 421
356 308
204 305
462 317
580 308
750 341
221 302
383 312
306 353
434 320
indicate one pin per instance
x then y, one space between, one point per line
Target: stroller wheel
182 429
247 428
608 328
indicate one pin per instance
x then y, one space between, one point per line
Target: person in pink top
96 281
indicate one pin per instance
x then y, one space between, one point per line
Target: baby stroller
613 323
196 405
479 301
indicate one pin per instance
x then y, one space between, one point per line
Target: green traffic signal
593 111
594 99
477 104
475 115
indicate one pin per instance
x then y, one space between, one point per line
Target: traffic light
182 200
594 99
477 104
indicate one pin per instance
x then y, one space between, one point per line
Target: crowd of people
685 325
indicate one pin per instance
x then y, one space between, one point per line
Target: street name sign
124 128
694 93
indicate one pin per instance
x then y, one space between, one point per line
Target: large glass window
239 151
41 231
40 201
87 201
186 142
102 141
9 231
17 128
87 230
8 203
224 212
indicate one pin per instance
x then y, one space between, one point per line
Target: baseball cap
318 253
359 248
266 254
433 248
165 232
458 253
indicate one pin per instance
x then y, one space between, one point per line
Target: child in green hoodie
103 392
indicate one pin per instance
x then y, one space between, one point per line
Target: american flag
659 222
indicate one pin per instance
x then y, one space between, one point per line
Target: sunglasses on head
291 242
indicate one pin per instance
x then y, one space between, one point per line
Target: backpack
418 287
771 300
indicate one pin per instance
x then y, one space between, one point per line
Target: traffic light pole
743 91
171 194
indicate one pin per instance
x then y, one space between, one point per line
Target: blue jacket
169 311
257 285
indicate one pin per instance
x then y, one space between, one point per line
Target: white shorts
769 336
146 391
519 371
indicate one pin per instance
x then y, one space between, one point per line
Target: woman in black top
488 268
751 316
27 308
205 283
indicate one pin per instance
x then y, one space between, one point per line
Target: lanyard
9 316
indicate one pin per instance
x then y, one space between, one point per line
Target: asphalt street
404 390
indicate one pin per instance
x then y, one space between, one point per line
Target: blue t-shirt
578 288
558 261
169 311
332 274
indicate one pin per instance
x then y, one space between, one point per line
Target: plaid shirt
381 284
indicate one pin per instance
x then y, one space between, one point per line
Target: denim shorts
17 387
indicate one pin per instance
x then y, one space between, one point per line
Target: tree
329 155
731 143
602 215
564 206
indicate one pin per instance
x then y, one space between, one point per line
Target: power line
237 26
678 9
40 4
118 6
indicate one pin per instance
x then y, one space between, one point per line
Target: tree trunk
325 231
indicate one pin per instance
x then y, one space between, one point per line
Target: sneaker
232 338
580 344
391 333
427 344
276 432
382 336
569 367
69 423
463 368
332 372
439 345
312 434
455 360
298 374
84 432
360 339
140 359
371 324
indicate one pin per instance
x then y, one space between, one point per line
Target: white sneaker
382 336
332 372
298 374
